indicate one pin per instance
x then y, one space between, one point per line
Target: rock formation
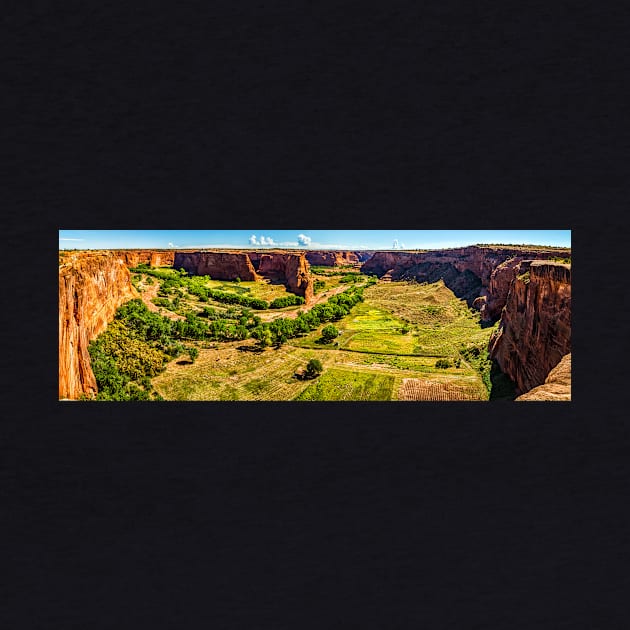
292 269
535 328
91 287
557 385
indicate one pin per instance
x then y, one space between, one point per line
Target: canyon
479 274
521 286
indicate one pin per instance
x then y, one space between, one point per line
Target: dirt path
148 293
269 317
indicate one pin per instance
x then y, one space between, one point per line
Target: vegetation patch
336 384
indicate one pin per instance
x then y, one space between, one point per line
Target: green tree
329 333
313 368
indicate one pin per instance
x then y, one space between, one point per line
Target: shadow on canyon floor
502 387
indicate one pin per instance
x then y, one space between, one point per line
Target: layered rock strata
91 287
535 328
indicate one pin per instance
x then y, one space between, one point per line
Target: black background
263 515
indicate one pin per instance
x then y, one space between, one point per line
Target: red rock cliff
535 329
217 265
91 287
331 258
292 268
151 257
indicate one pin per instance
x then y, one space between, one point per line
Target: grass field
373 358
263 289
338 384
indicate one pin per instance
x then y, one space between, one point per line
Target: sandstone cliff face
467 271
331 258
292 268
91 288
217 265
535 329
153 258
557 386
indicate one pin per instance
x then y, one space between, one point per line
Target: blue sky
313 239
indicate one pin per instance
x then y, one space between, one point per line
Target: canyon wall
479 274
151 257
290 268
534 333
332 258
91 287
217 265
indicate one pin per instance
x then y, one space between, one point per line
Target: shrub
443 364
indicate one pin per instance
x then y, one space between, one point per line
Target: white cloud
304 240
260 240
395 245
402 246
172 245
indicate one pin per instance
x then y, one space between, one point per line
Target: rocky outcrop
91 287
292 269
535 329
217 265
467 271
557 385
151 257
